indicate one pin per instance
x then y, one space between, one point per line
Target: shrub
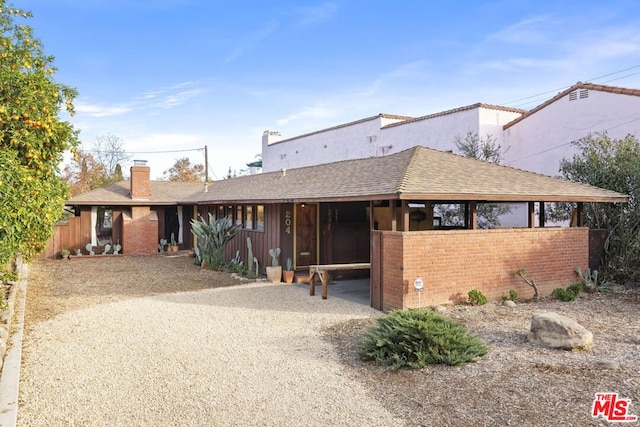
476 297
414 338
213 237
513 296
563 294
576 288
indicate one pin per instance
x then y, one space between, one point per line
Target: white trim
180 240
94 222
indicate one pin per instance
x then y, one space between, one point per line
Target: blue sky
168 75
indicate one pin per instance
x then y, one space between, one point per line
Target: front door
306 234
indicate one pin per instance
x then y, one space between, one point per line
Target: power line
566 87
142 152
570 142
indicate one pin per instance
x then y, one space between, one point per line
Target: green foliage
486 149
476 297
563 294
250 258
590 281
274 253
513 296
33 139
213 237
162 245
613 164
576 288
414 338
235 265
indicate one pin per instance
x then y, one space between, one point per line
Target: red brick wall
140 186
140 231
451 263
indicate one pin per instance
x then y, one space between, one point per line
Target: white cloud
312 15
95 110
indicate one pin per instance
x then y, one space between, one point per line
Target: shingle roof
118 194
579 85
418 173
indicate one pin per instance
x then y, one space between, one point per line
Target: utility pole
206 164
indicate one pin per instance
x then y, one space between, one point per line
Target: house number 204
287 222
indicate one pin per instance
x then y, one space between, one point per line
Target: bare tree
108 150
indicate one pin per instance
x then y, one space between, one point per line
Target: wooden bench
324 270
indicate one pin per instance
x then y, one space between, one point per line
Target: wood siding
261 241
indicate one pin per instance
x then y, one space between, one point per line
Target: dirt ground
516 383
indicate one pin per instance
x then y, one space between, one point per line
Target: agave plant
213 236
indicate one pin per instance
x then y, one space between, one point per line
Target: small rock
509 303
439 309
556 331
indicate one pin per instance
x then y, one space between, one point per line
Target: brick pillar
140 231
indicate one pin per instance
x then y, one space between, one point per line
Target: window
104 225
260 217
239 216
248 217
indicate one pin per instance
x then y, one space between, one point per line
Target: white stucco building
535 140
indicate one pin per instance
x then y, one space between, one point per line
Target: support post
531 217
473 216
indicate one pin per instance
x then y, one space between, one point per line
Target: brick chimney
140 176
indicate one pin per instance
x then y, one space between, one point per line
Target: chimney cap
139 162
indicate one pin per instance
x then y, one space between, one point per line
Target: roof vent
584 93
139 162
573 95
284 172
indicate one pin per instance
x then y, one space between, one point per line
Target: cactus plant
198 257
250 259
107 248
117 248
162 245
275 253
289 264
255 260
89 249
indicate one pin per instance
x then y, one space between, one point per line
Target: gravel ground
158 341
248 354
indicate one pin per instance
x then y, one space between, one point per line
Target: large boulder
557 331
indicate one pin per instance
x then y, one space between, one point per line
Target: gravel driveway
248 354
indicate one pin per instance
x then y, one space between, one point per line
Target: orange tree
33 139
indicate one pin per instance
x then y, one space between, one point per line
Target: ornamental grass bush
414 338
